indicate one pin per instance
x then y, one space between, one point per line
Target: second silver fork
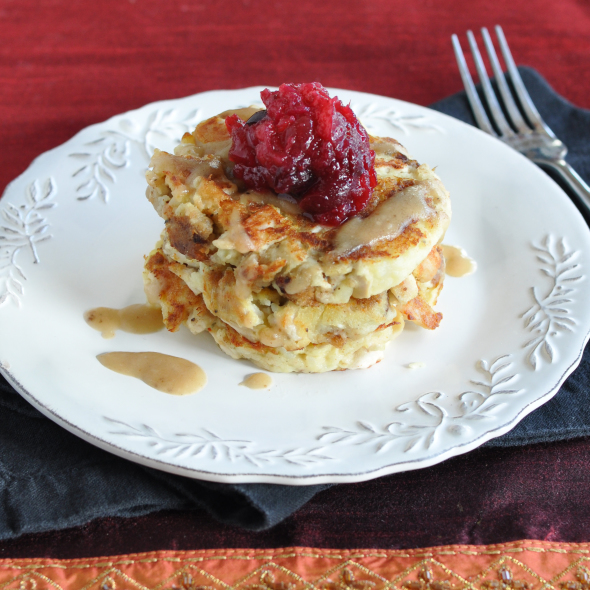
528 134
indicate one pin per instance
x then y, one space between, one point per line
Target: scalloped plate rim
395 467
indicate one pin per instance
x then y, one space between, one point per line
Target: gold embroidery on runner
188 583
426 581
433 564
582 581
33 574
506 581
268 582
27 584
263 571
347 581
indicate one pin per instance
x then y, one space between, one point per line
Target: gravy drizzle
170 374
137 319
388 221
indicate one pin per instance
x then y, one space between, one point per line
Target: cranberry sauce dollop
309 146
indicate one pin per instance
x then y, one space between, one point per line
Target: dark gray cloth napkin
50 479
567 415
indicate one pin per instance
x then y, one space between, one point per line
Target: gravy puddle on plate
257 381
137 319
170 374
457 262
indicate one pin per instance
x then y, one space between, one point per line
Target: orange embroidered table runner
522 565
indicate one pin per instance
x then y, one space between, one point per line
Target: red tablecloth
66 65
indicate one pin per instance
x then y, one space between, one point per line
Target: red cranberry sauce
307 145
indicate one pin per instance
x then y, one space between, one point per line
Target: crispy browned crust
179 300
211 130
430 266
420 312
409 238
238 341
263 223
398 162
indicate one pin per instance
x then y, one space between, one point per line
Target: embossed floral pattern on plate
75 228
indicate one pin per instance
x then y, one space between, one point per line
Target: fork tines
533 120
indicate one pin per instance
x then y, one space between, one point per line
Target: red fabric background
66 65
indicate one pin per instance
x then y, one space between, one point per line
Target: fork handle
572 178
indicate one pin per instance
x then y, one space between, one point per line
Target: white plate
75 227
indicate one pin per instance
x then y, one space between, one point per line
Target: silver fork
532 138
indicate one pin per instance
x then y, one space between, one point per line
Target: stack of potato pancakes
271 285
